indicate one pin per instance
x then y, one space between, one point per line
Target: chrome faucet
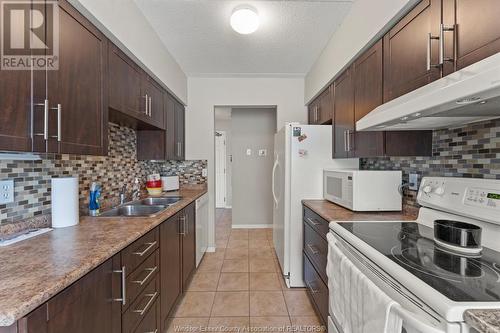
122 194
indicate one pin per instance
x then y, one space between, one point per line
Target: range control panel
482 198
475 198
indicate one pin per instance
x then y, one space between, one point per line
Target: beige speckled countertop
332 212
34 270
484 321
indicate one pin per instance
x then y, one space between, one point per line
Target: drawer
317 290
134 254
316 249
150 323
141 277
139 309
316 222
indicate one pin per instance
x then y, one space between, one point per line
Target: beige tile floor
239 288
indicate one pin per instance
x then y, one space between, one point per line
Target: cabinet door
155 106
80 124
179 131
124 83
15 110
405 50
188 244
478 30
85 306
313 112
368 94
170 265
343 124
170 144
326 106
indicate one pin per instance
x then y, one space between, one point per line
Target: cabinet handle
123 299
146 106
442 30
58 109
149 246
313 222
313 290
348 136
151 300
151 272
313 249
155 331
45 133
429 52
149 107
178 149
186 219
345 140
182 221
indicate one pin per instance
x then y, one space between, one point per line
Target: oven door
337 187
416 316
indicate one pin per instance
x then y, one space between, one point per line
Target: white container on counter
170 183
64 199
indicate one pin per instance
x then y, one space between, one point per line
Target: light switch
6 191
249 151
262 152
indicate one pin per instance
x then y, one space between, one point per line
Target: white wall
122 20
365 23
287 94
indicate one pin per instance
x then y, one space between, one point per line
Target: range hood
469 95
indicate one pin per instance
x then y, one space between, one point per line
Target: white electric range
433 286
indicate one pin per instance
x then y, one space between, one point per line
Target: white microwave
363 190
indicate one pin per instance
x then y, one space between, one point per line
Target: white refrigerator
301 152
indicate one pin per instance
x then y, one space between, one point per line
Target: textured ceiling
291 35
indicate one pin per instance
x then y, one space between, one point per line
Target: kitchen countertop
484 321
35 270
332 212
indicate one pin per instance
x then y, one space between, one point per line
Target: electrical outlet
249 152
413 182
262 152
6 191
204 172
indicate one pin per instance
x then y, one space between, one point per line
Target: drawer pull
146 250
313 222
123 299
313 249
313 290
151 272
148 304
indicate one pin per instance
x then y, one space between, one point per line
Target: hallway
239 288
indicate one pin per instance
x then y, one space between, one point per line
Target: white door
220 169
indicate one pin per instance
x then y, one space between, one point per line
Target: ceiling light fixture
245 20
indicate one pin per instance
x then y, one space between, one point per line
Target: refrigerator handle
276 163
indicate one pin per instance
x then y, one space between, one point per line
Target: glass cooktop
411 245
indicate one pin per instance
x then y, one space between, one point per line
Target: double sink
148 207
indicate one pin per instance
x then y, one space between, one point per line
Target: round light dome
245 21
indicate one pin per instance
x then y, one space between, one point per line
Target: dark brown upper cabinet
471 31
67 105
180 135
153 106
124 84
321 109
411 50
343 122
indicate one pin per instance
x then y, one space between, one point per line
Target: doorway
244 148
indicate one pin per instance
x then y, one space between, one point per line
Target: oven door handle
413 321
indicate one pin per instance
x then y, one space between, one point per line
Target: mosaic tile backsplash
32 178
472 151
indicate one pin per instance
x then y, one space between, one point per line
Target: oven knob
439 191
427 189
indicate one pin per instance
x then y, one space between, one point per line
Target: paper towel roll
65 212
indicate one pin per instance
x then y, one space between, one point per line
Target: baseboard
251 226
211 249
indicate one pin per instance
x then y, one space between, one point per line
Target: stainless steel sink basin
134 210
162 201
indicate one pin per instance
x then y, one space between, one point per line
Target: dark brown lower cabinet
171 265
315 252
85 306
188 245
